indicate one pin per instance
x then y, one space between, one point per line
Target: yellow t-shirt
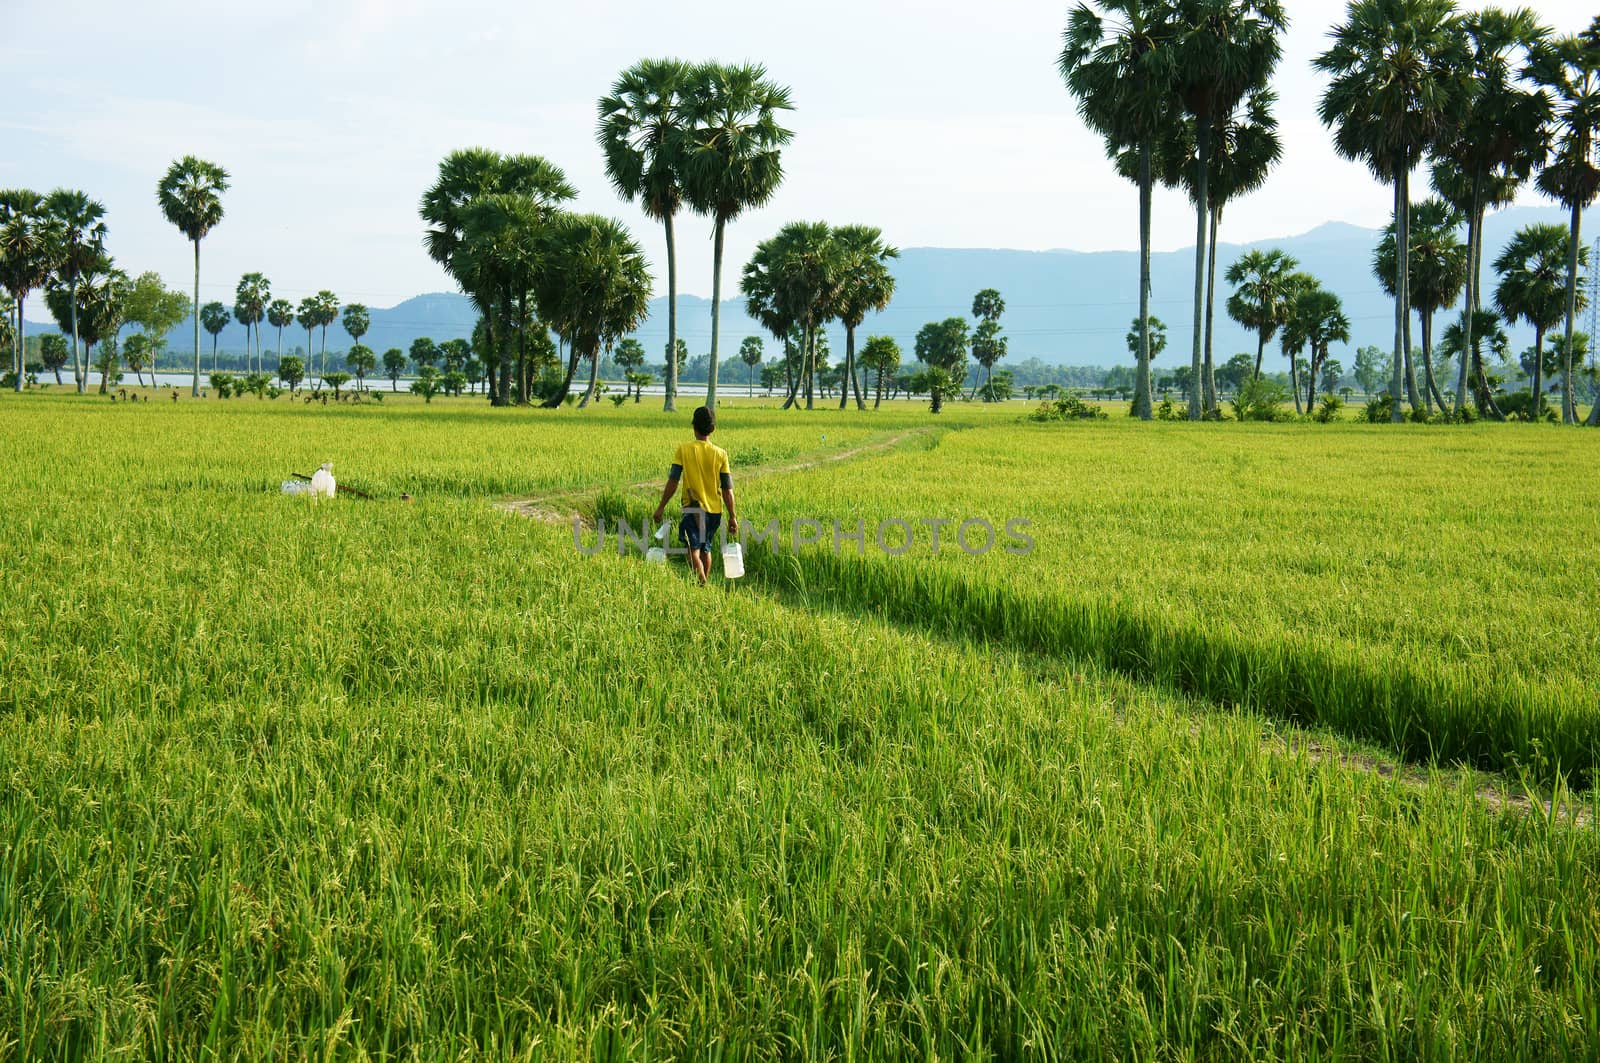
704 472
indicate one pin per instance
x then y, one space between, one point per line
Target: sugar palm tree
250 300
30 249
1397 91
1498 139
881 354
1259 279
214 317
1115 64
1291 341
102 298
308 315
594 288
733 161
1316 321
190 196
327 313
362 360
1533 288
356 321
465 178
792 282
1570 70
865 284
1438 273
1221 51
1245 147
83 234
280 315
750 354
643 134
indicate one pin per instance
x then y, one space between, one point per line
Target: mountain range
1062 307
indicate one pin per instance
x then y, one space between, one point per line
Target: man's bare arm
666 494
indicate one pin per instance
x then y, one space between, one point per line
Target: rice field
417 780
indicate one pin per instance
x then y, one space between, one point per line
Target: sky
943 122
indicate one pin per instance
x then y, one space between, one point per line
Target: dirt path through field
560 507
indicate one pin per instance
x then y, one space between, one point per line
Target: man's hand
733 525
659 513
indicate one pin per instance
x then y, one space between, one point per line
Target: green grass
414 780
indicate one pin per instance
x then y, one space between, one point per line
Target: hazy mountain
1065 307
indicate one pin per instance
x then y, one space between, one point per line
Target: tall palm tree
83 234
280 315
1316 321
356 321
466 177
733 161
1290 341
1260 280
103 293
1221 50
1497 141
1533 288
865 284
1570 69
250 300
327 314
594 288
750 352
30 248
214 317
190 196
643 134
1116 66
1438 273
309 315
1398 89
1245 147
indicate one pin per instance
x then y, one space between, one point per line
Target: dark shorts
690 532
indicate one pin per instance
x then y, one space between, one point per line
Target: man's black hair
705 422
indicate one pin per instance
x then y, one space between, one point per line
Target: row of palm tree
806 275
1180 91
705 135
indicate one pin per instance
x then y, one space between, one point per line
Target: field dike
1431 715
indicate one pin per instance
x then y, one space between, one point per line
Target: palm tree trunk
1417 399
878 398
716 311
1467 296
1426 320
214 337
811 366
566 383
1201 199
669 405
1294 380
77 373
1261 348
1569 406
194 388
1396 381
1143 401
22 347
788 377
1538 372
850 368
594 378
280 346
1211 312
1311 384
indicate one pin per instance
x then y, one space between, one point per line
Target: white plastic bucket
732 560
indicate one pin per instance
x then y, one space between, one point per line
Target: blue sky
943 122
